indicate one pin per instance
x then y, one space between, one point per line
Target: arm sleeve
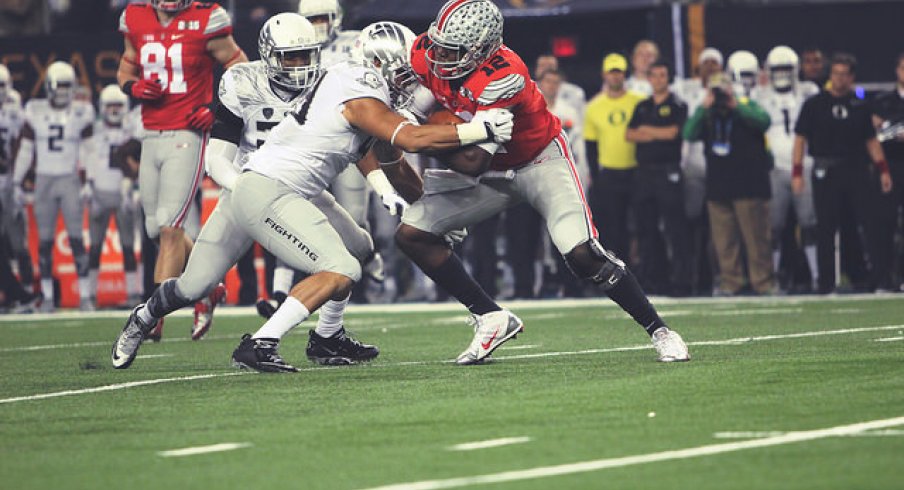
123 25
754 115
228 125
218 161
218 24
502 91
693 128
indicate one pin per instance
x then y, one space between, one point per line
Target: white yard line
773 433
601 464
889 339
214 448
504 441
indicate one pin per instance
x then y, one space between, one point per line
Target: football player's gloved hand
455 237
394 203
145 89
498 123
201 118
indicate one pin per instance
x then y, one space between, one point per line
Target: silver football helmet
171 5
59 82
6 83
288 45
472 28
386 47
782 65
328 9
113 104
744 69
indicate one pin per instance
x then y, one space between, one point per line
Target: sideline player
462 60
111 189
167 64
55 138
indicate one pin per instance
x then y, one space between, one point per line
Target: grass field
769 401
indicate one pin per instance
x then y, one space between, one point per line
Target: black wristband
127 87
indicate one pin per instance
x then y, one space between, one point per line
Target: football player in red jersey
167 65
463 62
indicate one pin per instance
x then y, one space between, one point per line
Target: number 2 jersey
783 109
311 146
176 54
502 81
58 134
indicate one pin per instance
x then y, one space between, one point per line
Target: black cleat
260 355
338 350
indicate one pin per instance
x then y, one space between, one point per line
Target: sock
776 259
810 252
452 277
282 279
84 288
132 284
163 301
330 320
291 313
92 282
628 294
47 289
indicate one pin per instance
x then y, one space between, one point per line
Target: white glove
86 193
394 203
498 122
455 237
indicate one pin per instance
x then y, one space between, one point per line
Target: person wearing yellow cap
610 156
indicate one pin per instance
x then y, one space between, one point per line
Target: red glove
144 89
201 118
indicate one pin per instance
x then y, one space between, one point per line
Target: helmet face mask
473 29
288 47
113 105
60 84
782 64
744 69
171 6
325 15
386 47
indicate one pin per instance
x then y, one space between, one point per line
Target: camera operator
737 185
836 128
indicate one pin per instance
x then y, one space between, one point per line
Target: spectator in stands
644 54
835 127
656 129
737 185
611 156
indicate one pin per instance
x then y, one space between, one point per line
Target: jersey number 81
154 65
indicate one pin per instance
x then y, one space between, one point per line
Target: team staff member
611 156
836 128
167 64
656 129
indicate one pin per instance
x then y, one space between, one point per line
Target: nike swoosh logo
486 345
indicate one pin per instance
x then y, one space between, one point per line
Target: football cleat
338 349
28 305
260 355
126 346
204 311
156 333
490 331
670 346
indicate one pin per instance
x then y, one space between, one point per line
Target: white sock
810 252
47 289
144 314
331 317
291 313
776 259
84 288
92 281
282 279
132 284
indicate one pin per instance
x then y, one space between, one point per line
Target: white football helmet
6 82
386 47
113 104
59 82
326 31
744 69
782 65
473 28
282 36
170 5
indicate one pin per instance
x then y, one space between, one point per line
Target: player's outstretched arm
383 156
226 51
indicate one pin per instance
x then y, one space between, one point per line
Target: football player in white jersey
111 189
57 131
782 98
744 69
333 125
12 215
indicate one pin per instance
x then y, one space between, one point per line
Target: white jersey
11 120
783 109
246 91
58 134
102 169
640 86
339 49
692 92
308 149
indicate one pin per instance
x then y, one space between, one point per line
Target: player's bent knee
591 262
407 236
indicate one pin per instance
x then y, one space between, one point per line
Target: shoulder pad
504 88
218 20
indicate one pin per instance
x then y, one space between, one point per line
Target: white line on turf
504 441
154 356
735 341
214 448
601 464
889 339
774 433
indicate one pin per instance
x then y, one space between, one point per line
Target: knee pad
45 258
591 262
167 299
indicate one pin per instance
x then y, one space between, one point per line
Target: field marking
735 341
504 441
213 448
889 339
153 356
677 454
773 433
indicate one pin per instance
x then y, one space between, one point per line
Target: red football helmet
171 5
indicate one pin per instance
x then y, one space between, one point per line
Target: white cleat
490 331
670 346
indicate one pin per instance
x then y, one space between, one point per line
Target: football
444 116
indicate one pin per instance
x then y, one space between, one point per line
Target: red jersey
176 54
501 81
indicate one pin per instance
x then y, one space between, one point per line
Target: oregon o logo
618 117
839 111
